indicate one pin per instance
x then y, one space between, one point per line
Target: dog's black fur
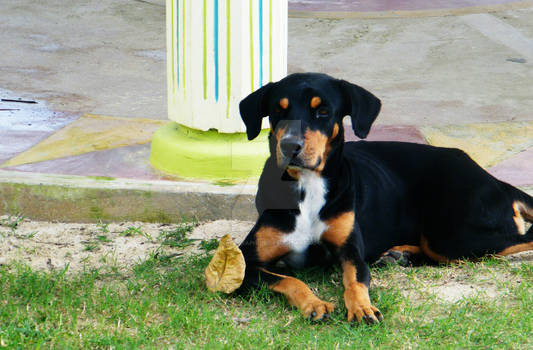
373 199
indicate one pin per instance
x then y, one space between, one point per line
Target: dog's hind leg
523 212
403 255
522 244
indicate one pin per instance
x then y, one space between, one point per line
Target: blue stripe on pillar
260 43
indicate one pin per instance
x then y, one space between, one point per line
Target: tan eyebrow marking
315 102
284 103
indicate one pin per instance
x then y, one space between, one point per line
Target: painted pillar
219 51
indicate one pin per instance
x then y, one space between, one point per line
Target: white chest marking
308 227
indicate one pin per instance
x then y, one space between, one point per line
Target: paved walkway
120 147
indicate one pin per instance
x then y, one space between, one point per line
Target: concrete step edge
72 198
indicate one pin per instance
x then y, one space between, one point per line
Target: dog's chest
308 228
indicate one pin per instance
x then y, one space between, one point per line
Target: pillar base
208 155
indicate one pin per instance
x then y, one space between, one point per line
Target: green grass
163 303
13 223
135 231
177 238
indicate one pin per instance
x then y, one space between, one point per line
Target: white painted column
218 51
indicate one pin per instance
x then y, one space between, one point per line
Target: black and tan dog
322 200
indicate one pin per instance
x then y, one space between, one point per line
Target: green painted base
208 155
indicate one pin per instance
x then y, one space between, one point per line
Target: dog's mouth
297 164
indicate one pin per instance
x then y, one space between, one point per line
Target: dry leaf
225 271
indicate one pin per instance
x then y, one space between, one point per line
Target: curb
70 198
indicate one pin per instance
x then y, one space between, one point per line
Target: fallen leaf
225 271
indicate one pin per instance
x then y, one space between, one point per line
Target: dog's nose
291 146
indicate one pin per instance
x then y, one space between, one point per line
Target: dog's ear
253 109
361 106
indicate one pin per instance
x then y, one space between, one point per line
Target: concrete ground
451 75
108 57
102 57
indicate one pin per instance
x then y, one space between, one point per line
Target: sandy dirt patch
54 245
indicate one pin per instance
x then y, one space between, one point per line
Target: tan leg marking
298 294
522 247
431 254
356 297
413 249
269 244
339 228
521 213
525 210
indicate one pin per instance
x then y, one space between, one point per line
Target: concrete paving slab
487 143
424 75
16 142
129 162
87 56
402 133
516 170
89 133
23 125
501 32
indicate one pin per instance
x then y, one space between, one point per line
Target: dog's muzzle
292 153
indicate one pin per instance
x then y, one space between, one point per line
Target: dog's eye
322 113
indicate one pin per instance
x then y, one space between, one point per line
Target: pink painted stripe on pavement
517 170
404 133
387 5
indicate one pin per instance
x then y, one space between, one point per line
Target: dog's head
306 112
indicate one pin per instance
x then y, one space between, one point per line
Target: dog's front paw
358 305
366 313
316 309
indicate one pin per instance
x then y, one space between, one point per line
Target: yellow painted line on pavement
87 134
486 143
